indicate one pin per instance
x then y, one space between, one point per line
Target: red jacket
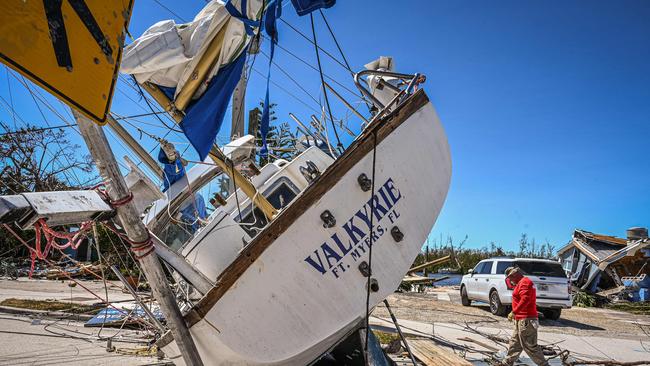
524 298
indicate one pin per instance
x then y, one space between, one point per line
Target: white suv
486 282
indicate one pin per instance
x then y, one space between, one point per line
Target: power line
170 11
27 130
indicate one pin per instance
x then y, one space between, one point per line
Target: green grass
50 306
641 308
384 337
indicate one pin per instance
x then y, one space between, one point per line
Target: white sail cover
166 53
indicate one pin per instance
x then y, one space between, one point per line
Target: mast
138 235
238 105
239 96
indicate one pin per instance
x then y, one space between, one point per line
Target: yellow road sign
72 48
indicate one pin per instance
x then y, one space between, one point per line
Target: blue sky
546 104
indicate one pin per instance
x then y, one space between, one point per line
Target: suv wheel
463 297
552 314
496 307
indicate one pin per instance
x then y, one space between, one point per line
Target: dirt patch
578 321
66 307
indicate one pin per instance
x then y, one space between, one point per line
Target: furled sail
171 56
167 55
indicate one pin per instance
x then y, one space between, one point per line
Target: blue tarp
192 211
304 7
204 116
173 170
112 316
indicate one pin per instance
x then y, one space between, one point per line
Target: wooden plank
361 146
433 355
482 344
431 263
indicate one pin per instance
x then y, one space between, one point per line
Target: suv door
472 283
483 280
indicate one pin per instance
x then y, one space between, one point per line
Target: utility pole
137 233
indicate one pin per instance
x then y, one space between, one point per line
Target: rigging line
126 149
11 98
170 11
316 69
338 46
151 108
50 107
138 115
141 93
288 92
320 70
312 42
290 77
347 65
370 245
74 173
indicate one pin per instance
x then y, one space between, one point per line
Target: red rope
42 229
140 249
70 277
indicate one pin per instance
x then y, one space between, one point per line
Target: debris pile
613 268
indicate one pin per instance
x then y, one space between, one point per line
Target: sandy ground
27 341
38 289
443 305
588 334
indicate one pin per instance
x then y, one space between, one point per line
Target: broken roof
595 246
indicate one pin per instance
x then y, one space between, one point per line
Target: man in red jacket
524 312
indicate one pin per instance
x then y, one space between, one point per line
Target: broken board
431 354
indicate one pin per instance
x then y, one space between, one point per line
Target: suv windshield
535 268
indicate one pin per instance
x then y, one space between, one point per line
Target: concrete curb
45 313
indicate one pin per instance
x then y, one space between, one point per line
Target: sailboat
290 264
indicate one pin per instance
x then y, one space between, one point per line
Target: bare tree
36 159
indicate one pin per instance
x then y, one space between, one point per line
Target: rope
372 208
322 79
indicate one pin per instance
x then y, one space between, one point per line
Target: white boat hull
297 296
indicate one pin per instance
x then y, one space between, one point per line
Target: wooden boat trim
359 148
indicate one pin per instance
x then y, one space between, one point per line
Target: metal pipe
399 331
306 129
130 289
180 265
346 103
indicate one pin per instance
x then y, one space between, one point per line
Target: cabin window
281 195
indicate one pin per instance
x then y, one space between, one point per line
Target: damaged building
597 262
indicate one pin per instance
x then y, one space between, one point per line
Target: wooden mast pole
137 233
